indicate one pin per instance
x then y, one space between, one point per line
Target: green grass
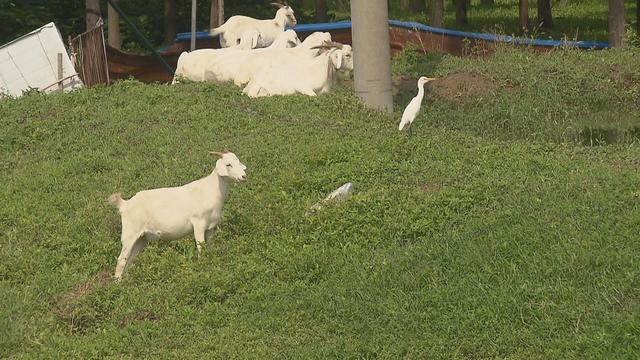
457 243
573 19
588 97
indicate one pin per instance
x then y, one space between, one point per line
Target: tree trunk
544 14
93 13
524 15
437 13
170 29
418 5
461 12
342 6
113 27
216 15
487 2
616 23
638 17
321 11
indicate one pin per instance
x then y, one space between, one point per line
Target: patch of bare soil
625 79
65 305
430 187
461 86
142 315
617 75
403 84
623 164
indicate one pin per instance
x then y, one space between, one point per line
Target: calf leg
199 243
198 233
131 245
122 261
127 255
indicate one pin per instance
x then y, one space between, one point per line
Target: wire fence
89 56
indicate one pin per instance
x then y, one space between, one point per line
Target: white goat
191 65
171 213
310 77
235 26
316 39
242 67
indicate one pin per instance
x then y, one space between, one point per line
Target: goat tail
216 31
116 200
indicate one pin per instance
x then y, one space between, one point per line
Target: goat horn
216 153
328 46
331 44
278 5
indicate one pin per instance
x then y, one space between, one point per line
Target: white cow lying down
240 67
309 76
191 65
173 212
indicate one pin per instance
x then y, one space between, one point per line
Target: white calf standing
171 213
269 29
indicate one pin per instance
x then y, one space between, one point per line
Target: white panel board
31 61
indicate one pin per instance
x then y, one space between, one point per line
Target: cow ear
336 56
221 168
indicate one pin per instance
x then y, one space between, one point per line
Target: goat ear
221 168
337 59
254 41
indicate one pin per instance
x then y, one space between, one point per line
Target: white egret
411 111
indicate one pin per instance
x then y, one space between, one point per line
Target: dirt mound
618 75
461 86
65 305
458 87
401 85
430 187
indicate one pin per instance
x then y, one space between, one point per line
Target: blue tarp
186 36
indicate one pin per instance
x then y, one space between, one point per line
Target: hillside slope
456 244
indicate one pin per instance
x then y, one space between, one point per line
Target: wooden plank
60 74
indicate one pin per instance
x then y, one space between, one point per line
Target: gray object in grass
338 194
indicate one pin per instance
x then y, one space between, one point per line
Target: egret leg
410 133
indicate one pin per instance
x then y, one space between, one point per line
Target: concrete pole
113 20
371 53
193 25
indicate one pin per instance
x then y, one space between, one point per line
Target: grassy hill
493 232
